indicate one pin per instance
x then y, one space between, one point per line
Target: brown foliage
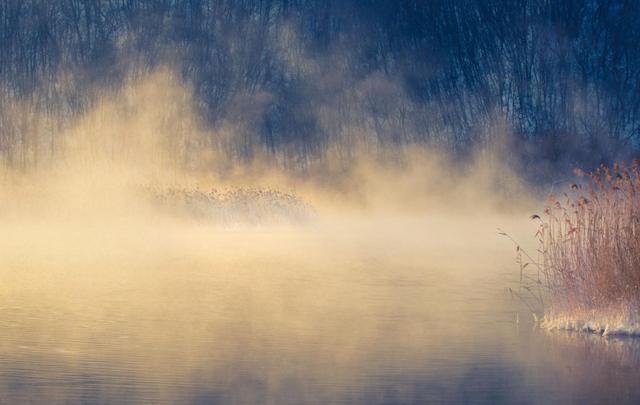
590 241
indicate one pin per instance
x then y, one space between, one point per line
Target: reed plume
590 245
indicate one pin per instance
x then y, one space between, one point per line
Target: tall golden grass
590 243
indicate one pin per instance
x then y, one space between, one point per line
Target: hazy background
299 83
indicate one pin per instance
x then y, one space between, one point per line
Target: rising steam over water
140 266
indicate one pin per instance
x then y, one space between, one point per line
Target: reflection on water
209 316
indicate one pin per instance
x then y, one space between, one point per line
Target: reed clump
232 206
590 251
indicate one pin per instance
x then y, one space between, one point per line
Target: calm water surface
318 319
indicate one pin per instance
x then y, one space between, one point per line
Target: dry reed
591 241
589 257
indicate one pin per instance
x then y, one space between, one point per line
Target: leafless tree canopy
296 76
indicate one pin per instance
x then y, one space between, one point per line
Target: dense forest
297 77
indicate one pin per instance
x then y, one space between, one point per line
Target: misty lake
188 314
300 201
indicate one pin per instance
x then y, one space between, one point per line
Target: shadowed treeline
298 80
